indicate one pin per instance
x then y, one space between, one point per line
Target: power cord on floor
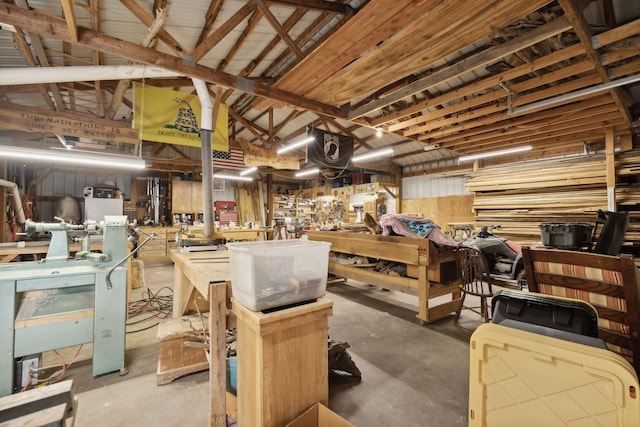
151 306
54 377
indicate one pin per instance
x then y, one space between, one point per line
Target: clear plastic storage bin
276 273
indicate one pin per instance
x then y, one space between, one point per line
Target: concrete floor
411 374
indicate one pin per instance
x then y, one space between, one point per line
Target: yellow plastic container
519 378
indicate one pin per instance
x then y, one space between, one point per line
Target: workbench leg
182 291
7 331
218 354
423 295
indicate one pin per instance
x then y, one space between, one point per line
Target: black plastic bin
566 315
565 235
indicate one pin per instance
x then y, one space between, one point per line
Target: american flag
228 160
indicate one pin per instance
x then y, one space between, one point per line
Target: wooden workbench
240 233
193 273
431 272
245 233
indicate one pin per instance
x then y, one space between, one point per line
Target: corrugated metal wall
426 186
59 184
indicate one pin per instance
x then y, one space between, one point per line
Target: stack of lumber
628 191
520 196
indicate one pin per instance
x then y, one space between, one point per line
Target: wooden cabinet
186 197
161 245
282 362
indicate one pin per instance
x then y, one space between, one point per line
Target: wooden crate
282 362
177 357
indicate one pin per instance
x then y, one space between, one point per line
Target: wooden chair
474 280
609 283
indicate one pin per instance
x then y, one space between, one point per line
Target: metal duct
206 127
17 201
38 75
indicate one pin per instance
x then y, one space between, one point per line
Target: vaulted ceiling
440 78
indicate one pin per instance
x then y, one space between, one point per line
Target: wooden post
217 354
270 206
398 183
611 169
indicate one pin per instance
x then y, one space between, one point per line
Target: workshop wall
442 199
62 182
427 186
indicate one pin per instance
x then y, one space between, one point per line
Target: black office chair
612 234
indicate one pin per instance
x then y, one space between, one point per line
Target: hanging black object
330 149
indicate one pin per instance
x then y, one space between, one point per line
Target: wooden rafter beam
209 19
357 139
481 59
49 26
203 48
23 47
494 102
303 38
289 23
581 28
283 123
123 85
251 25
147 20
264 9
159 5
478 86
319 5
501 124
501 129
70 17
251 127
43 60
98 58
552 138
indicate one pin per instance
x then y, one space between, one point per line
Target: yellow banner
258 156
174 117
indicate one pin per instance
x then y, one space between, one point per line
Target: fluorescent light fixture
248 171
372 154
236 177
573 95
306 172
504 152
73 157
295 145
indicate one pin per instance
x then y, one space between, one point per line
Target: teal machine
62 301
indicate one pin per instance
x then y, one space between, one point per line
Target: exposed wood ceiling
441 77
